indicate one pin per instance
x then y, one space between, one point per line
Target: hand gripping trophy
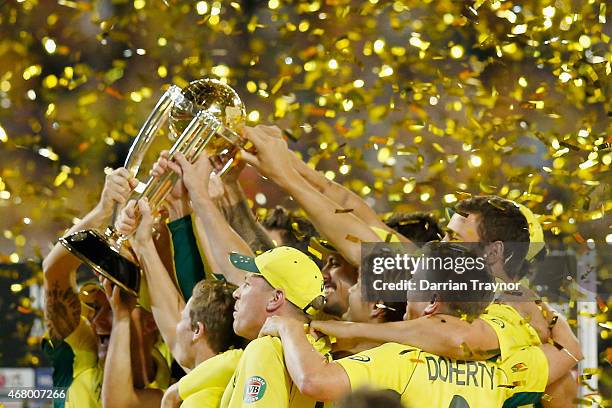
206 115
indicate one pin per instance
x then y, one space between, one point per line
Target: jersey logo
499 322
254 389
363 359
519 367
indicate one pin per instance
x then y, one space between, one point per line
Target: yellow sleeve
84 345
260 379
208 397
526 371
388 366
214 372
513 332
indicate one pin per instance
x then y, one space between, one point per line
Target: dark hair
471 302
213 305
394 311
296 230
501 220
369 398
417 227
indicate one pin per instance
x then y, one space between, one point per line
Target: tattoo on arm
243 222
62 311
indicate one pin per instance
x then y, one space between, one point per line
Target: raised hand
231 176
121 302
196 176
274 325
160 168
272 158
126 221
117 188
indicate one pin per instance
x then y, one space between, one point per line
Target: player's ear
198 331
433 307
494 252
377 310
276 301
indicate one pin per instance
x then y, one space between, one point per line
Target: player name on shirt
460 372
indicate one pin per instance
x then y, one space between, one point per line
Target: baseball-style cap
289 270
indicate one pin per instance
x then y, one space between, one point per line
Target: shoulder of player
387 350
518 313
266 344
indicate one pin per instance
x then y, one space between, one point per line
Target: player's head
417 227
499 225
287 229
445 262
338 274
99 313
363 311
281 281
206 322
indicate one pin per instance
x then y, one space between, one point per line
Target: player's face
250 310
102 323
276 235
184 337
415 306
338 276
358 310
463 229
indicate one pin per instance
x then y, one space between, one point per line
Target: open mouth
104 339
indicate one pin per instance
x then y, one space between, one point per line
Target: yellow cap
536 234
289 270
385 235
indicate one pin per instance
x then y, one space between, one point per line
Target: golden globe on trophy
205 115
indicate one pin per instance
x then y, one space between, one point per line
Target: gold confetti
435 110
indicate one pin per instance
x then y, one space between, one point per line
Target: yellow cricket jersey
205 384
76 367
424 379
75 363
163 361
261 379
513 332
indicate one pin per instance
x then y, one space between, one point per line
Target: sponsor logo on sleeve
254 389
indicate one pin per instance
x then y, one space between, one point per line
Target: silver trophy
206 115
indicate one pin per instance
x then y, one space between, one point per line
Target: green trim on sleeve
62 357
523 398
188 265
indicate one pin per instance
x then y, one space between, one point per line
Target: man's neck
291 312
497 270
203 353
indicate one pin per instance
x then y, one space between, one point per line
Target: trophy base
99 252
